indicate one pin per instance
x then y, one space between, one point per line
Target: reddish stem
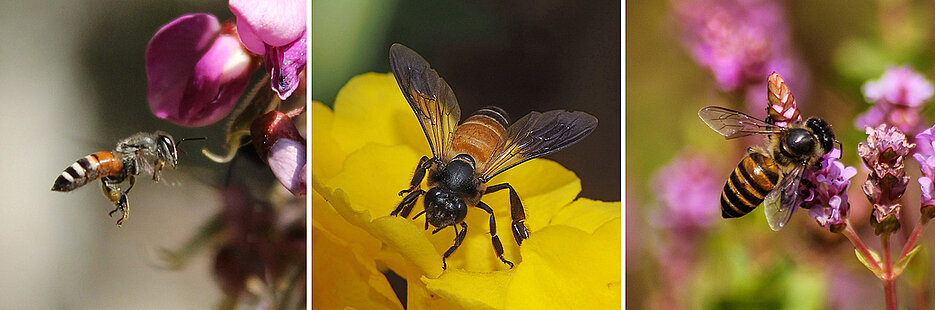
889 279
860 246
912 239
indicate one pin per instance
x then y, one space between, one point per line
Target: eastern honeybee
770 175
142 152
466 156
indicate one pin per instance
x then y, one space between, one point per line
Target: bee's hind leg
119 198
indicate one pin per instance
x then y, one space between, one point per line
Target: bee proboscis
141 152
466 156
770 175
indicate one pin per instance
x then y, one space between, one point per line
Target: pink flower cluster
898 97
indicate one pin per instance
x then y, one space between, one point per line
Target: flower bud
277 141
195 71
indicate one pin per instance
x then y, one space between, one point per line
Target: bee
770 175
141 152
466 156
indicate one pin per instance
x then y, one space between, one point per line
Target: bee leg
426 219
423 165
497 246
157 169
119 198
406 205
132 182
520 232
458 239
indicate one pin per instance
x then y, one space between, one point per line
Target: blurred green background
518 55
741 264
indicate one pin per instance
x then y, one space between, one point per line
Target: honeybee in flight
141 152
770 175
466 156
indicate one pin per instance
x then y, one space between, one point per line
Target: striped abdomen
479 134
87 169
751 181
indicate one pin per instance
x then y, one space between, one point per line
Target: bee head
443 208
823 130
165 149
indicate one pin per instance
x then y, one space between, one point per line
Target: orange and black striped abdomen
479 134
749 183
87 169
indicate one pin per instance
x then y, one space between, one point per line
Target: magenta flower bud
195 73
277 140
275 28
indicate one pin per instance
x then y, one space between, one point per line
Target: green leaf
901 264
863 260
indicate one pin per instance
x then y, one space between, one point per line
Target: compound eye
799 142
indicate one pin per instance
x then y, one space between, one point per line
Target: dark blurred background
520 56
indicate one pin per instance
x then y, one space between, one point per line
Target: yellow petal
327 156
326 218
372 109
567 268
342 277
420 298
472 290
587 214
543 186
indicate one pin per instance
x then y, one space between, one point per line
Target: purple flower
826 197
740 41
276 29
688 191
195 71
926 158
883 153
898 97
277 140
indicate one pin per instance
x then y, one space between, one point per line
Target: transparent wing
538 134
734 124
782 201
429 96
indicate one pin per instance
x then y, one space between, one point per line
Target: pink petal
287 160
195 75
276 22
249 38
285 64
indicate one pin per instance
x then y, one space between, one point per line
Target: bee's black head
165 148
444 208
823 130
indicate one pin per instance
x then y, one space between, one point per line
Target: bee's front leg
424 165
158 169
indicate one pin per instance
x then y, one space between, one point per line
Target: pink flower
195 71
827 191
689 191
277 140
898 97
276 29
884 153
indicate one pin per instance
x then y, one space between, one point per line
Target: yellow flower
365 151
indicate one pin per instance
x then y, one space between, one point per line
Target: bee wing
538 134
429 96
735 124
782 201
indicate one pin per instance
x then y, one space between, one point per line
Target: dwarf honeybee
141 152
770 175
466 156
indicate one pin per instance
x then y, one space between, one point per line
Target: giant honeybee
466 156
770 175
